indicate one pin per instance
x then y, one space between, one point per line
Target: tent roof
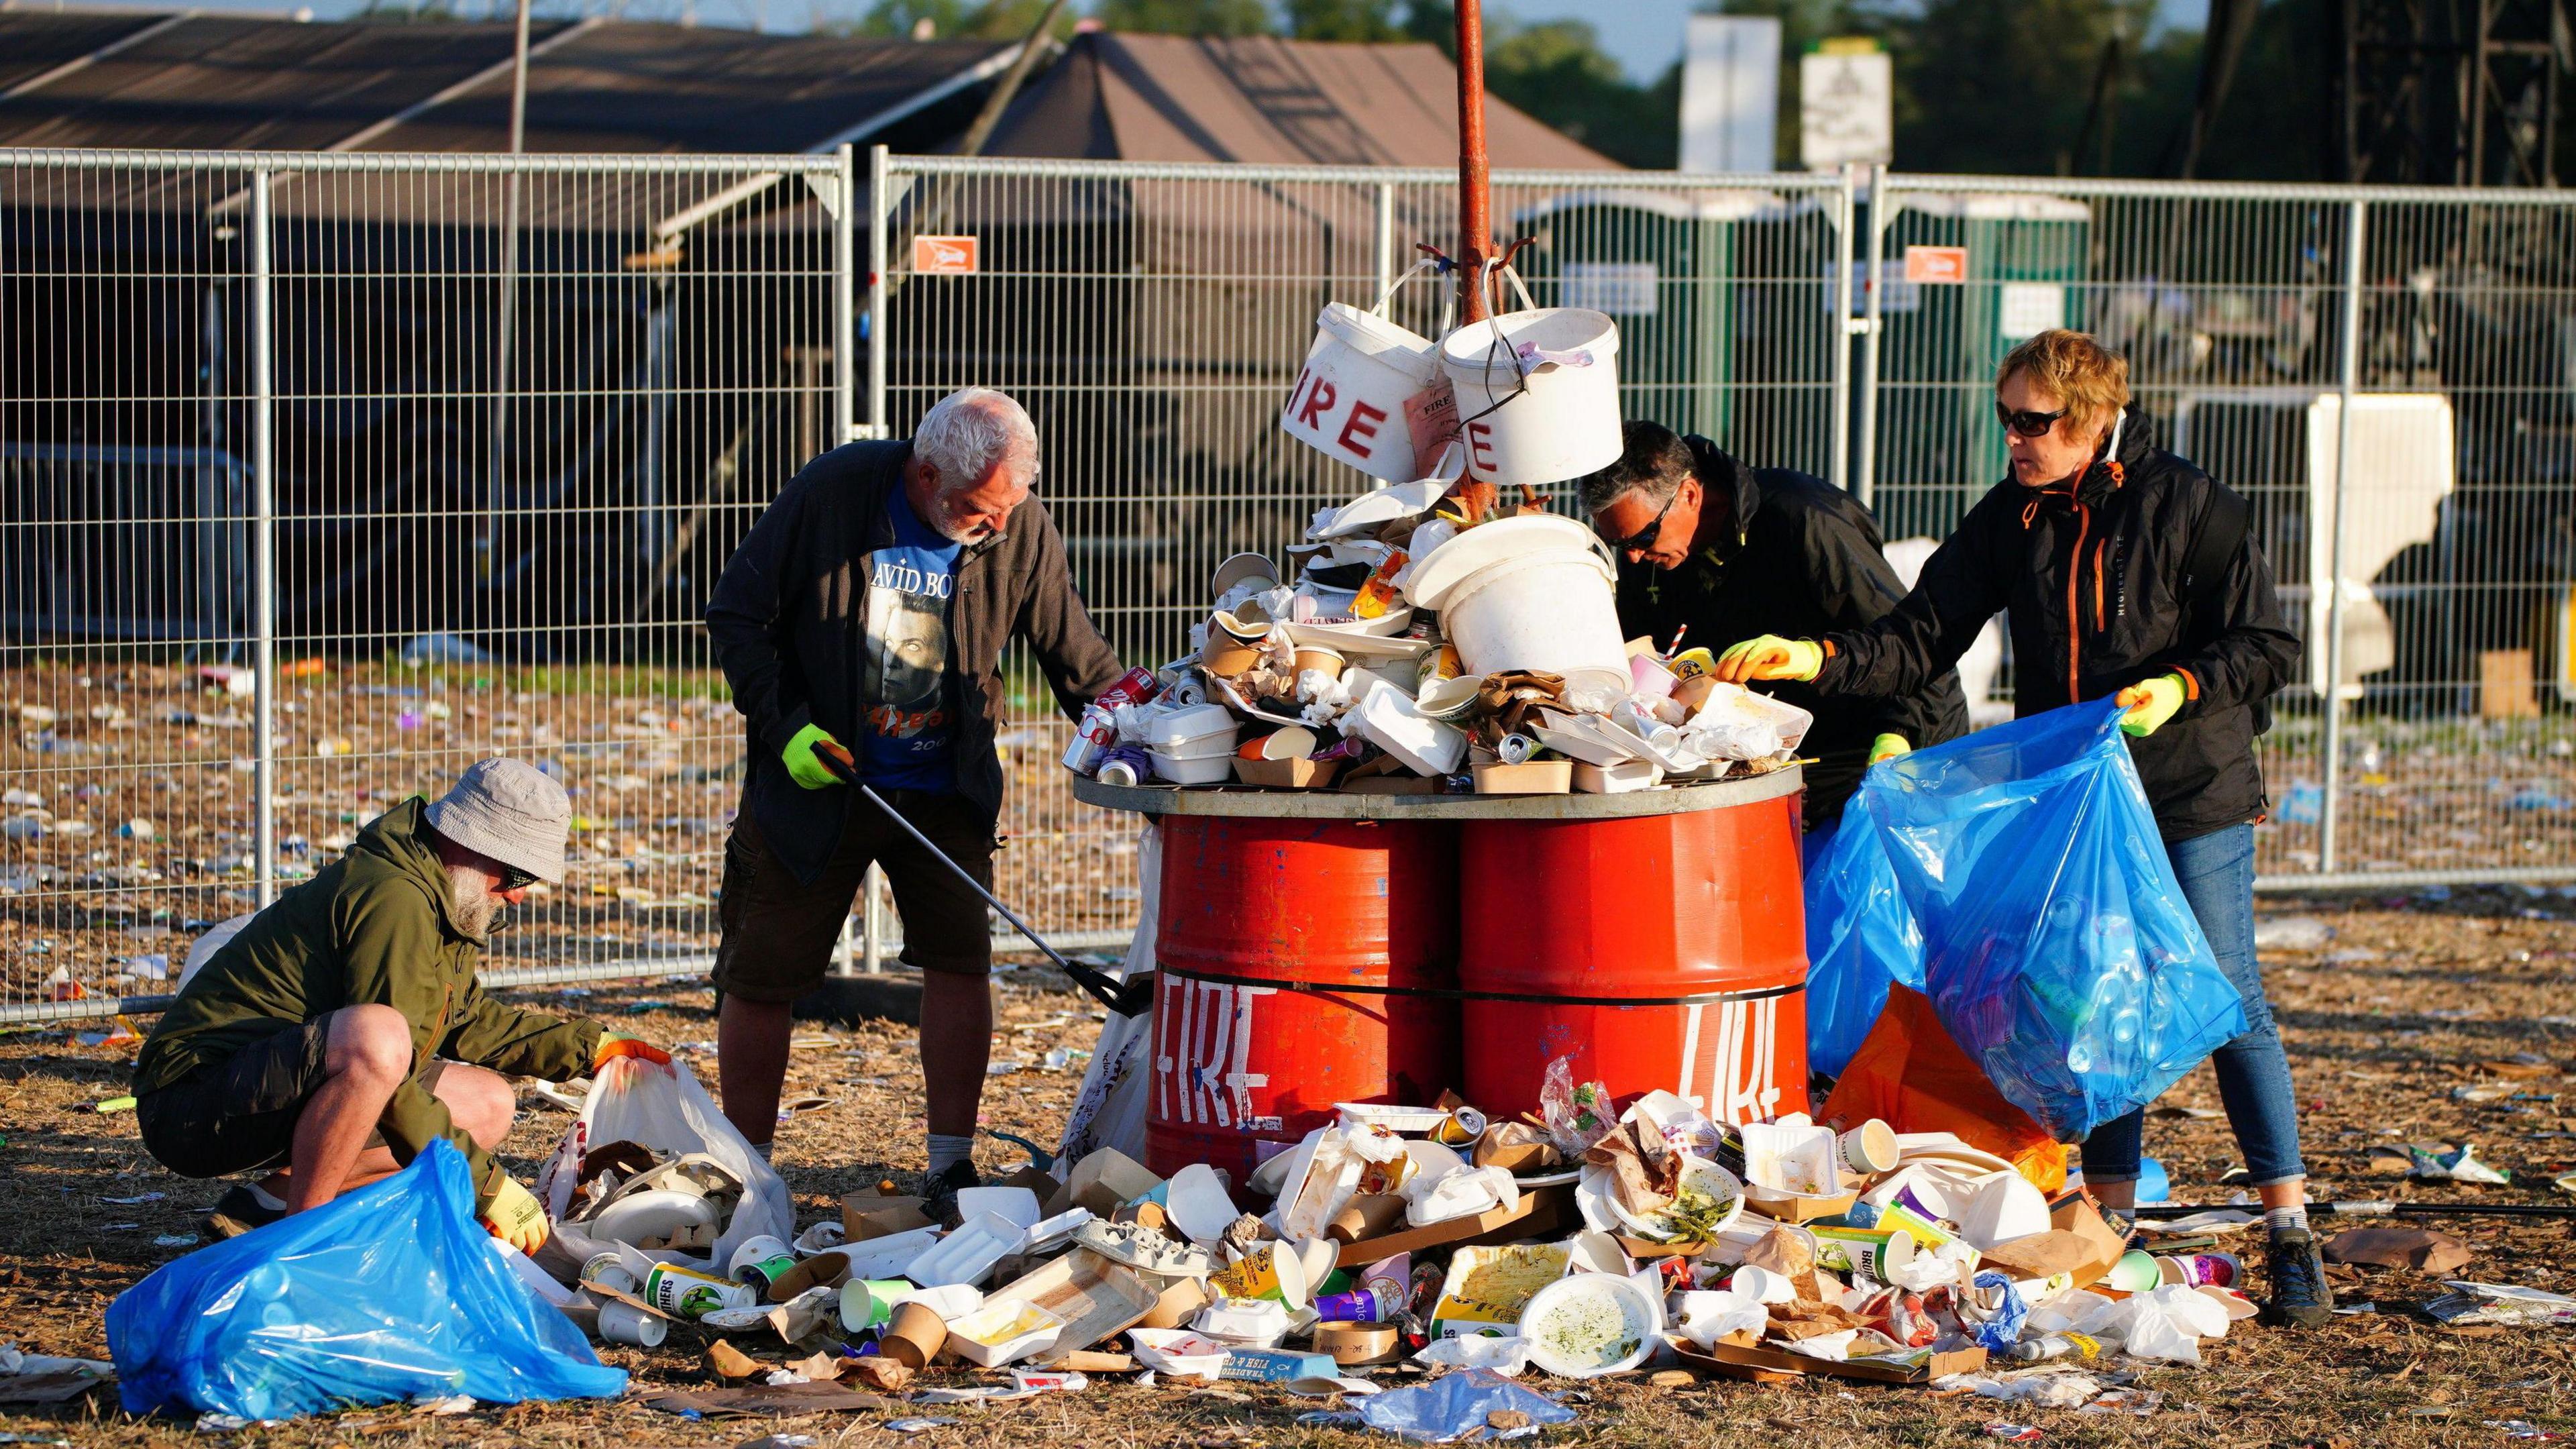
218 82
1260 99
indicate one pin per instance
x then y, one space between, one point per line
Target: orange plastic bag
1911 1075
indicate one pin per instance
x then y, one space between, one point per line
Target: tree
1556 71
1369 20
1188 17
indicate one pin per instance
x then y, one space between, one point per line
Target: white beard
475 903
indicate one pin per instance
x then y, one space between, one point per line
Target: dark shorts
779 932
238 1115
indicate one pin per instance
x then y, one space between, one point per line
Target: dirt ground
2408 1002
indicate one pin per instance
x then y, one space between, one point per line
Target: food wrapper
1787 1254
1577 1115
1644 1170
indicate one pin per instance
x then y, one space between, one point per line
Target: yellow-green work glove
803 765
1770 657
516 1217
1888 746
2149 703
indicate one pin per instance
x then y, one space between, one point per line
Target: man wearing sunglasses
341 1029
1729 551
2129 574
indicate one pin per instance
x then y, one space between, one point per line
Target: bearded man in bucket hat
341 1029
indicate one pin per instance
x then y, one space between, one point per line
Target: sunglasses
1644 540
2027 424
515 879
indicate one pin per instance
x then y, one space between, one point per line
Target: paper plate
1486 544
1590 1324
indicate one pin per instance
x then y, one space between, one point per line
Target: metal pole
880 211
872 921
1475 186
486 546
845 303
263 542
2351 382
1840 471
1881 212
1385 236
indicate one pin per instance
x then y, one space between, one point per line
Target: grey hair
1653 462
965 433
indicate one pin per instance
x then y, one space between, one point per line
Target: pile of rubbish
1575 1242
1341 675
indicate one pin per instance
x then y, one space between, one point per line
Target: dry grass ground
2385 1021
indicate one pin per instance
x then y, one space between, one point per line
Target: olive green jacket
375 927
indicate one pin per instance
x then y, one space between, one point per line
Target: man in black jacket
863 620
2128 572
1732 551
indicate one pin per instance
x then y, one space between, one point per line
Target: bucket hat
511 811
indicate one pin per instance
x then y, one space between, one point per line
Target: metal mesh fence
322 476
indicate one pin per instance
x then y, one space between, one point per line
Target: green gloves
1889 746
804 766
1770 657
2149 703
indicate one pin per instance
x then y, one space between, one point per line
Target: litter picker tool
2379 1208
1127 998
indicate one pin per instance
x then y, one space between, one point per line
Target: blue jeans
2217 875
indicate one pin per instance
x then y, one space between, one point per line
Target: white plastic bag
1109 1111
633 1100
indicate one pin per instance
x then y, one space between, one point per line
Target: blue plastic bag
1454 1406
2054 941
389 1293
1860 936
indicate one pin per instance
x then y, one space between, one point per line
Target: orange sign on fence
950 256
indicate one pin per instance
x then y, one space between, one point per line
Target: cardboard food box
2075 1214
1103 1181
1094 1296
1537 777
1736 1359
1291 774
1276 1365
1487 1287
1791 1207
1542 1211
866 1215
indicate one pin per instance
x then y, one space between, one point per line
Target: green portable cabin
2028 258
1664 265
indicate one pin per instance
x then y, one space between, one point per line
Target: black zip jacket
789 616
2094 577
1802 557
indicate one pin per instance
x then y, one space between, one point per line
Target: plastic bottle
2083 1346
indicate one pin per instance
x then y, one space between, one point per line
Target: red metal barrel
1657 951
1285 951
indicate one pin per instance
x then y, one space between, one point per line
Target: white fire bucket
1537 393
1372 393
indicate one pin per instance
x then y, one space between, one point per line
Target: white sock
947 1151
267 1199
2279 1220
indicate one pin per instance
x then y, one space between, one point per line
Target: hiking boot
2301 1298
238 1212
939 1194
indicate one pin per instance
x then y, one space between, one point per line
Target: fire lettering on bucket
1738 1062
1480 449
1359 427
1202 1047
1319 400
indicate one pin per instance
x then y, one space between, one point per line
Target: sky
1644 36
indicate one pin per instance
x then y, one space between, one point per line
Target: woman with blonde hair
2129 573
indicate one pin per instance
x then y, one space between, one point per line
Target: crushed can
1098 732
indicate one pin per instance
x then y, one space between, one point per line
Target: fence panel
423 458
2238 308
491 427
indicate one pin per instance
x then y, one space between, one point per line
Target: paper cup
2215 1270
609 1271
760 1261
682 1293
1356 1343
1870 1147
915 1335
1270 1271
626 1323
1326 662
1226 656
1763 1285
2135 1273
869 1302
